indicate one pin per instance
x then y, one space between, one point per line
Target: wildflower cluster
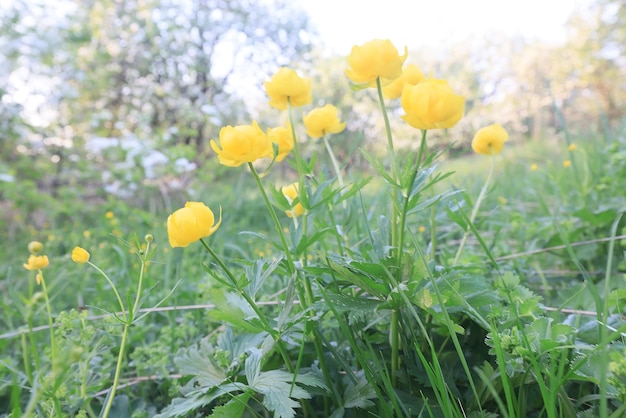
428 103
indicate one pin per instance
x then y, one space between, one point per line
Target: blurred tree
166 67
597 41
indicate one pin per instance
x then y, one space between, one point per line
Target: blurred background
109 101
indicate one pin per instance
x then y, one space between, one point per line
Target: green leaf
198 361
358 308
360 278
233 408
377 164
358 395
235 310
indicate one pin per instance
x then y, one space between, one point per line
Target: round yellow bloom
282 137
242 144
80 255
432 104
35 247
291 193
189 224
323 120
287 85
375 59
36 262
572 147
490 139
109 215
534 167
567 163
411 75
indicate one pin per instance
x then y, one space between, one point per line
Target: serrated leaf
253 365
233 408
358 308
234 310
377 164
359 395
363 280
198 361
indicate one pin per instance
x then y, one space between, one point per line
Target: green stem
50 322
333 160
393 167
395 346
117 294
481 196
142 259
277 225
118 371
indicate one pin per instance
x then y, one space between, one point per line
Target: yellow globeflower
80 255
35 247
291 193
286 85
323 120
411 75
282 137
378 58
432 104
567 163
189 224
36 262
242 144
490 139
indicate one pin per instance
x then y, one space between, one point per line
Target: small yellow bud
35 247
80 255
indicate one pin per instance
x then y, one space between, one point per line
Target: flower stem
117 294
118 370
252 303
333 160
481 196
277 225
50 321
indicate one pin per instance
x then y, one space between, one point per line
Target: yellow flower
323 120
432 104
567 163
39 278
572 147
421 229
490 139
411 75
291 193
282 137
242 144
189 224
286 85
534 167
80 255
375 59
35 247
36 262
503 200
109 215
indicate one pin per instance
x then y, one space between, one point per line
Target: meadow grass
366 305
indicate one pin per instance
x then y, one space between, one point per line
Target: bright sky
421 23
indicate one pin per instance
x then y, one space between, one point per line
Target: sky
421 23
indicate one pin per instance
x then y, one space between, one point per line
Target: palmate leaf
198 361
234 310
358 276
279 394
233 408
358 308
358 395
